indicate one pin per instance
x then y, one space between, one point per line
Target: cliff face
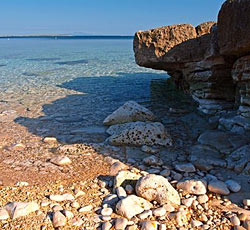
210 61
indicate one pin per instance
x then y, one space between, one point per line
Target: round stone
233 185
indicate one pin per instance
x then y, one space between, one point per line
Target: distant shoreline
68 36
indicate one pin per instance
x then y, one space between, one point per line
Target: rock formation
209 61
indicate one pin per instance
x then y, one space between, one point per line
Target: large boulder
129 112
154 187
138 134
234 27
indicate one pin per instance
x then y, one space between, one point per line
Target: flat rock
218 187
222 141
138 134
61 160
132 205
64 197
154 187
185 167
124 178
131 111
193 186
19 209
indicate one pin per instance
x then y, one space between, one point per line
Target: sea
65 87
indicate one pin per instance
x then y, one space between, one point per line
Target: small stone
149 149
149 225
165 172
68 214
218 187
235 221
176 176
45 203
168 208
76 221
87 208
57 208
129 189
196 223
163 227
78 193
121 193
121 223
106 218
106 226
246 202
196 187
144 215
75 204
107 211
152 161
233 185
185 167
188 202
202 199
64 197
4 214
132 205
117 167
50 140
22 183
111 199
132 227
61 160
158 212
58 219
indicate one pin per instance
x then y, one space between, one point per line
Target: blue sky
116 17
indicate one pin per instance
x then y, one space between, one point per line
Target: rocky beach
177 159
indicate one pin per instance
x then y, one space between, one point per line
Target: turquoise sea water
62 87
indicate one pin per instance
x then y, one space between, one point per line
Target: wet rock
233 186
129 112
58 220
138 134
124 178
61 160
196 187
218 187
149 225
64 197
132 205
185 167
154 187
19 209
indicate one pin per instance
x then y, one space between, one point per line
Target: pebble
87 208
188 202
106 226
149 225
4 214
152 161
59 219
144 215
117 167
68 214
61 160
235 221
64 197
168 208
162 227
75 204
121 193
78 193
158 212
218 187
165 172
202 199
132 227
107 211
77 221
50 140
57 208
149 149
129 189
233 185
196 187
121 223
246 202
185 167
196 223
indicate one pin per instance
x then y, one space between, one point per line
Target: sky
100 17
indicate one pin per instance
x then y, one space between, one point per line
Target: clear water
67 87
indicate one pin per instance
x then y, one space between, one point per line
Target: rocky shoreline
210 61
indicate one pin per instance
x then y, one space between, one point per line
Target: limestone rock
154 187
124 178
138 134
218 187
192 186
58 219
129 112
132 205
61 160
234 27
19 209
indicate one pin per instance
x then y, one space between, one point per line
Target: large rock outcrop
210 61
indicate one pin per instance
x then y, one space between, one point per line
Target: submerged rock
154 187
129 112
138 134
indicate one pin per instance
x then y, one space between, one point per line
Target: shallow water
66 88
